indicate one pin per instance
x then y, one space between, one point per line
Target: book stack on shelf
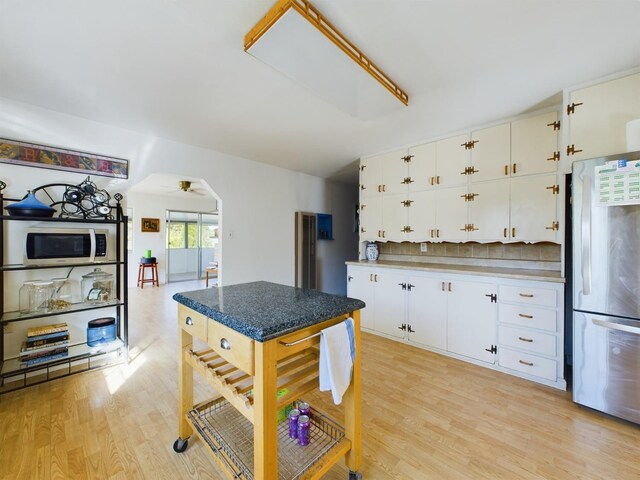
45 343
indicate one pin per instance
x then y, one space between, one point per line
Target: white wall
257 205
155 206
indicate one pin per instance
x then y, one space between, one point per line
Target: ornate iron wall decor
84 201
42 156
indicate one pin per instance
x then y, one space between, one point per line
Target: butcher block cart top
259 351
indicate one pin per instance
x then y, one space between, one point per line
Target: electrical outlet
423 247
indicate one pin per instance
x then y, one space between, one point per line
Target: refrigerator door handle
586 236
616 326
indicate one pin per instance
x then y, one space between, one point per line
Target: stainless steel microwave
52 246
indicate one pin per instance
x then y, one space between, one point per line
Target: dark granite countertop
265 310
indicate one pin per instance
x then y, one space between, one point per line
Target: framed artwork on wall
55 158
150 225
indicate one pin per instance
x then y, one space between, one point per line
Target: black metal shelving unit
80 357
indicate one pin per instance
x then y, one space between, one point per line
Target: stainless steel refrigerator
606 285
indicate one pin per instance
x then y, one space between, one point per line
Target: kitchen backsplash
544 256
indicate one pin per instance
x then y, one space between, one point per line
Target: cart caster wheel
355 475
180 445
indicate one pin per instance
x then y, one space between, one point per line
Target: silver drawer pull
528 364
527 295
524 315
522 339
224 344
189 321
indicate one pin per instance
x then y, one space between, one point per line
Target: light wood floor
425 416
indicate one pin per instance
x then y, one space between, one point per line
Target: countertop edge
514 273
258 334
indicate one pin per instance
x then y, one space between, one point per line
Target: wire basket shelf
230 435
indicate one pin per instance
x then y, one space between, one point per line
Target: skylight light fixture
295 39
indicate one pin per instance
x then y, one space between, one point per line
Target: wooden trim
265 416
315 18
353 404
185 386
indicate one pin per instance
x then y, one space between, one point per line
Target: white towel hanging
337 352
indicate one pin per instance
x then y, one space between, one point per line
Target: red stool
142 268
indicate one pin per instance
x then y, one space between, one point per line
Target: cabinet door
422 168
598 126
451 215
360 286
422 216
371 218
471 320
394 172
489 210
394 218
389 302
534 208
427 307
370 177
451 160
491 152
534 145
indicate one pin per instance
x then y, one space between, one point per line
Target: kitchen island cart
260 353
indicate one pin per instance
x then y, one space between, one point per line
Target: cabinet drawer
234 347
534 342
192 322
527 363
528 316
529 295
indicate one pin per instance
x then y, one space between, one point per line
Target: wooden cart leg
265 411
352 405
185 387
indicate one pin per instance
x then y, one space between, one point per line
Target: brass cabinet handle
528 364
224 344
437 233
506 169
432 180
449 288
522 339
515 167
526 295
442 286
524 315
375 277
504 232
189 321
384 188
371 277
513 232
383 233
438 179
555 158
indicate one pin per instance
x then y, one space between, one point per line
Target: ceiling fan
185 186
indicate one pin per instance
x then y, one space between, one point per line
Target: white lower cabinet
515 326
427 311
472 319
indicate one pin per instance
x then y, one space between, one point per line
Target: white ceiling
177 69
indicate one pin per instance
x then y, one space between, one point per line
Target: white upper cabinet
597 117
534 213
534 145
452 215
384 174
422 216
452 160
489 211
371 218
422 168
490 152
394 218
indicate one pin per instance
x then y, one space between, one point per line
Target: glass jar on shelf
25 296
40 296
97 287
61 295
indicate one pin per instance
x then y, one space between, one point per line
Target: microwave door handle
585 224
92 239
